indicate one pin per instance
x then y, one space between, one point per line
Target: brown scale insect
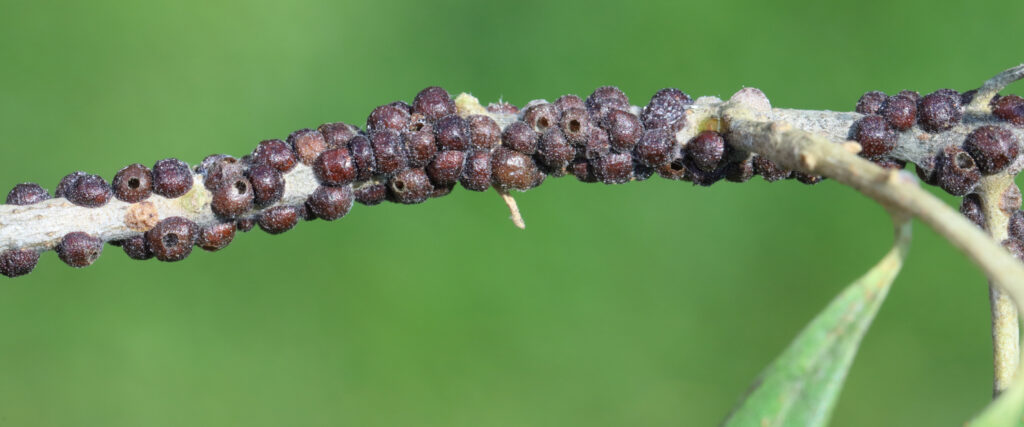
512 170
446 168
388 152
452 133
307 144
576 126
18 262
541 117
233 199
554 151
215 237
278 219
410 186
615 168
388 117
706 150
330 203
133 183
171 178
871 102
667 109
519 136
1010 108
78 249
335 167
971 207
624 129
85 190
362 153
172 239
956 172
655 147
900 111
419 146
371 194
26 194
566 102
267 184
770 171
276 153
993 148
434 103
337 134
476 174
875 136
484 133
940 110
137 248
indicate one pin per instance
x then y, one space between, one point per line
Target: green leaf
1006 410
801 386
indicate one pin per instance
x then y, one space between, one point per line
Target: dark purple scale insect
85 190
452 133
26 194
655 147
371 194
330 203
875 136
216 237
18 262
307 144
476 174
434 103
541 117
388 117
576 125
276 153
172 239
410 186
388 152
171 178
939 111
519 136
615 168
871 102
512 170
446 168
133 183
667 109
78 249
956 171
484 133
706 150
419 146
278 219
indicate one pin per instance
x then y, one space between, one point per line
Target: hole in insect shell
964 161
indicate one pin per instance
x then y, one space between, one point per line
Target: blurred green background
646 304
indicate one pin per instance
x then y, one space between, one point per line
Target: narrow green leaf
1006 410
801 386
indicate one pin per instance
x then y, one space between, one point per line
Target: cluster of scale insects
410 153
957 169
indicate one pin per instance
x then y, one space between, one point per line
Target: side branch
991 88
899 191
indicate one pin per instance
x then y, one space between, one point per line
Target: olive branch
967 143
